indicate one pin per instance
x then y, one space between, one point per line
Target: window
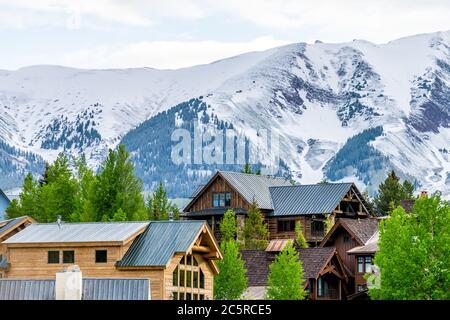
286 225
311 286
221 199
317 228
364 264
175 277
101 256
53 257
320 287
188 279
68 256
360 264
368 264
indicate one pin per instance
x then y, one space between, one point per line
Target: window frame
72 252
48 256
316 232
106 256
286 225
221 199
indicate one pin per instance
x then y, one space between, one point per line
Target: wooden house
177 257
8 228
345 235
324 274
281 203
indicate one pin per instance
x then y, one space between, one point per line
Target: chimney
424 194
58 221
170 216
69 284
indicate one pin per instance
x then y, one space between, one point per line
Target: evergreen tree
247 169
117 187
159 207
228 227
85 178
231 281
414 253
13 210
255 232
299 237
391 192
285 281
408 189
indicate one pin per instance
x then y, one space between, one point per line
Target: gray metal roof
77 232
162 239
252 186
307 199
93 289
8 224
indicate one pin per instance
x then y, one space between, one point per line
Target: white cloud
163 54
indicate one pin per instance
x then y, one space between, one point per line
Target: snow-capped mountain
345 111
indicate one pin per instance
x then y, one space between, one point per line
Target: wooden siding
205 199
306 221
343 246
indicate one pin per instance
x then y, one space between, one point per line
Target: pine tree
228 227
117 187
299 237
231 281
414 253
159 207
247 169
285 281
391 192
255 232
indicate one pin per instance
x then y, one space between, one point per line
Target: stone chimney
424 194
69 284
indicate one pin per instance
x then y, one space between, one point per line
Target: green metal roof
307 199
159 242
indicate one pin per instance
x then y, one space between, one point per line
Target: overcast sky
180 33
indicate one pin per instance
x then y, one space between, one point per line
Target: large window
221 199
317 228
364 264
69 256
286 225
188 280
320 287
53 257
101 256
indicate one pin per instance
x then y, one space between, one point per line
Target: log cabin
324 273
177 257
281 203
346 235
8 228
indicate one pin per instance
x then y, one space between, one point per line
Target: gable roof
371 246
307 199
160 241
249 186
8 225
361 229
77 232
93 289
257 262
315 259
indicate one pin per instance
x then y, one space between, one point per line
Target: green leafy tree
13 210
58 196
285 281
414 253
29 198
391 192
255 233
117 187
85 178
119 216
299 237
231 281
228 226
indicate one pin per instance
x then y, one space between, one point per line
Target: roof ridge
312 184
254 174
90 222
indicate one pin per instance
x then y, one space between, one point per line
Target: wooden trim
64 244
